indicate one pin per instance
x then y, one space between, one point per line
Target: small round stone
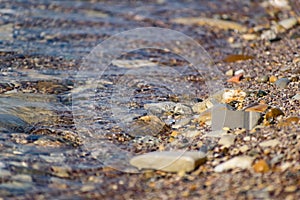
263 79
272 79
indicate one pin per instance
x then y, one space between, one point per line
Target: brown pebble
261 166
257 108
273 113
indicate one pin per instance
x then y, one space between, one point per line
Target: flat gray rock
223 117
169 161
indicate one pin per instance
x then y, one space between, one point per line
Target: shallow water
41 158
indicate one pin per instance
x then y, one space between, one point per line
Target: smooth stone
270 143
229 72
268 35
263 79
227 140
182 109
131 64
180 123
238 72
169 161
282 83
242 162
288 23
222 117
11 123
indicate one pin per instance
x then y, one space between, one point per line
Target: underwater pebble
282 83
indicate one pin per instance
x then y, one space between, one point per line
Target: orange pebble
235 79
272 79
261 166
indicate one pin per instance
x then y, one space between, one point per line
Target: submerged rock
11 123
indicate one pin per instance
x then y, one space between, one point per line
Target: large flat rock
223 117
170 161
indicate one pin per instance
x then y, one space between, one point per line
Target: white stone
227 140
270 143
242 162
288 23
170 161
241 71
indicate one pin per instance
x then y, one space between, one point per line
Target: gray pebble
282 83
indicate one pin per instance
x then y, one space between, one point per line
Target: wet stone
170 161
11 123
282 83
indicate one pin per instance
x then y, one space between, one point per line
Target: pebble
261 166
169 161
230 95
291 188
263 79
269 143
249 36
272 79
229 72
282 83
242 162
147 125
227 140
238 72
180 123
288 23
244 148
273 113
202 106
131 64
